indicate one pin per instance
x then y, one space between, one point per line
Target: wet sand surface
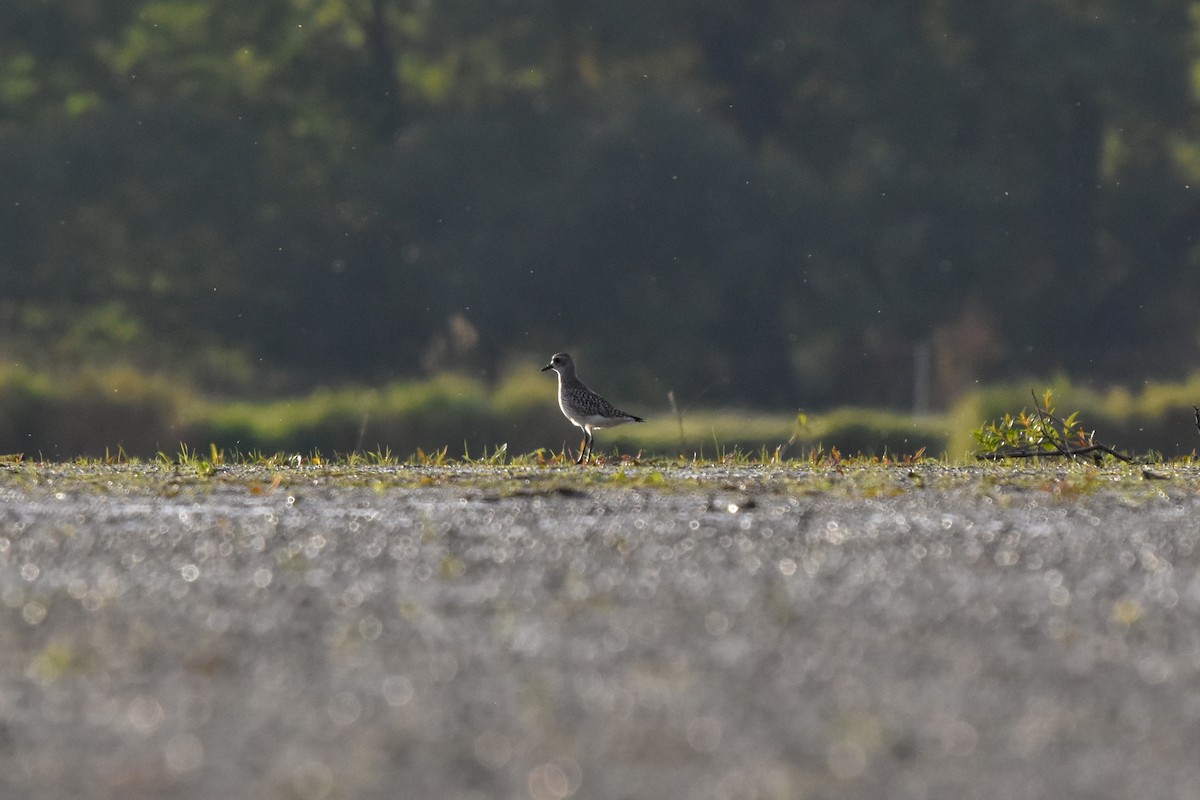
736 633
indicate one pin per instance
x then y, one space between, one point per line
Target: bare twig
1048 431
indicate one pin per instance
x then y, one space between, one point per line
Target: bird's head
561 363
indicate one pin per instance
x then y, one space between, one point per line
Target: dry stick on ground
1062 448
1094 450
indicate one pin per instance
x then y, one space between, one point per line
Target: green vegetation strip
125 413
286 477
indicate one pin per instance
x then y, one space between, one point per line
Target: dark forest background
770 204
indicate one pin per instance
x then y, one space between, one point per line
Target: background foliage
769 204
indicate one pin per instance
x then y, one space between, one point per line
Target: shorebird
585 408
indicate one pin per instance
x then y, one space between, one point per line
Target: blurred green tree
768 203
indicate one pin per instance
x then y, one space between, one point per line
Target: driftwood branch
1094 450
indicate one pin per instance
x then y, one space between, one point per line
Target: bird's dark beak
548 366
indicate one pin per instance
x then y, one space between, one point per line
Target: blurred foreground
547 633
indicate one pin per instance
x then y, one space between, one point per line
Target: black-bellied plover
582 406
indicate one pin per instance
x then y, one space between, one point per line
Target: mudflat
621 632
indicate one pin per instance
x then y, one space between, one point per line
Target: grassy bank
105 411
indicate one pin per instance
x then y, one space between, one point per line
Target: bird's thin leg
582 448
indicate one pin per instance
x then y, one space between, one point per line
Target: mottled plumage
583 407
